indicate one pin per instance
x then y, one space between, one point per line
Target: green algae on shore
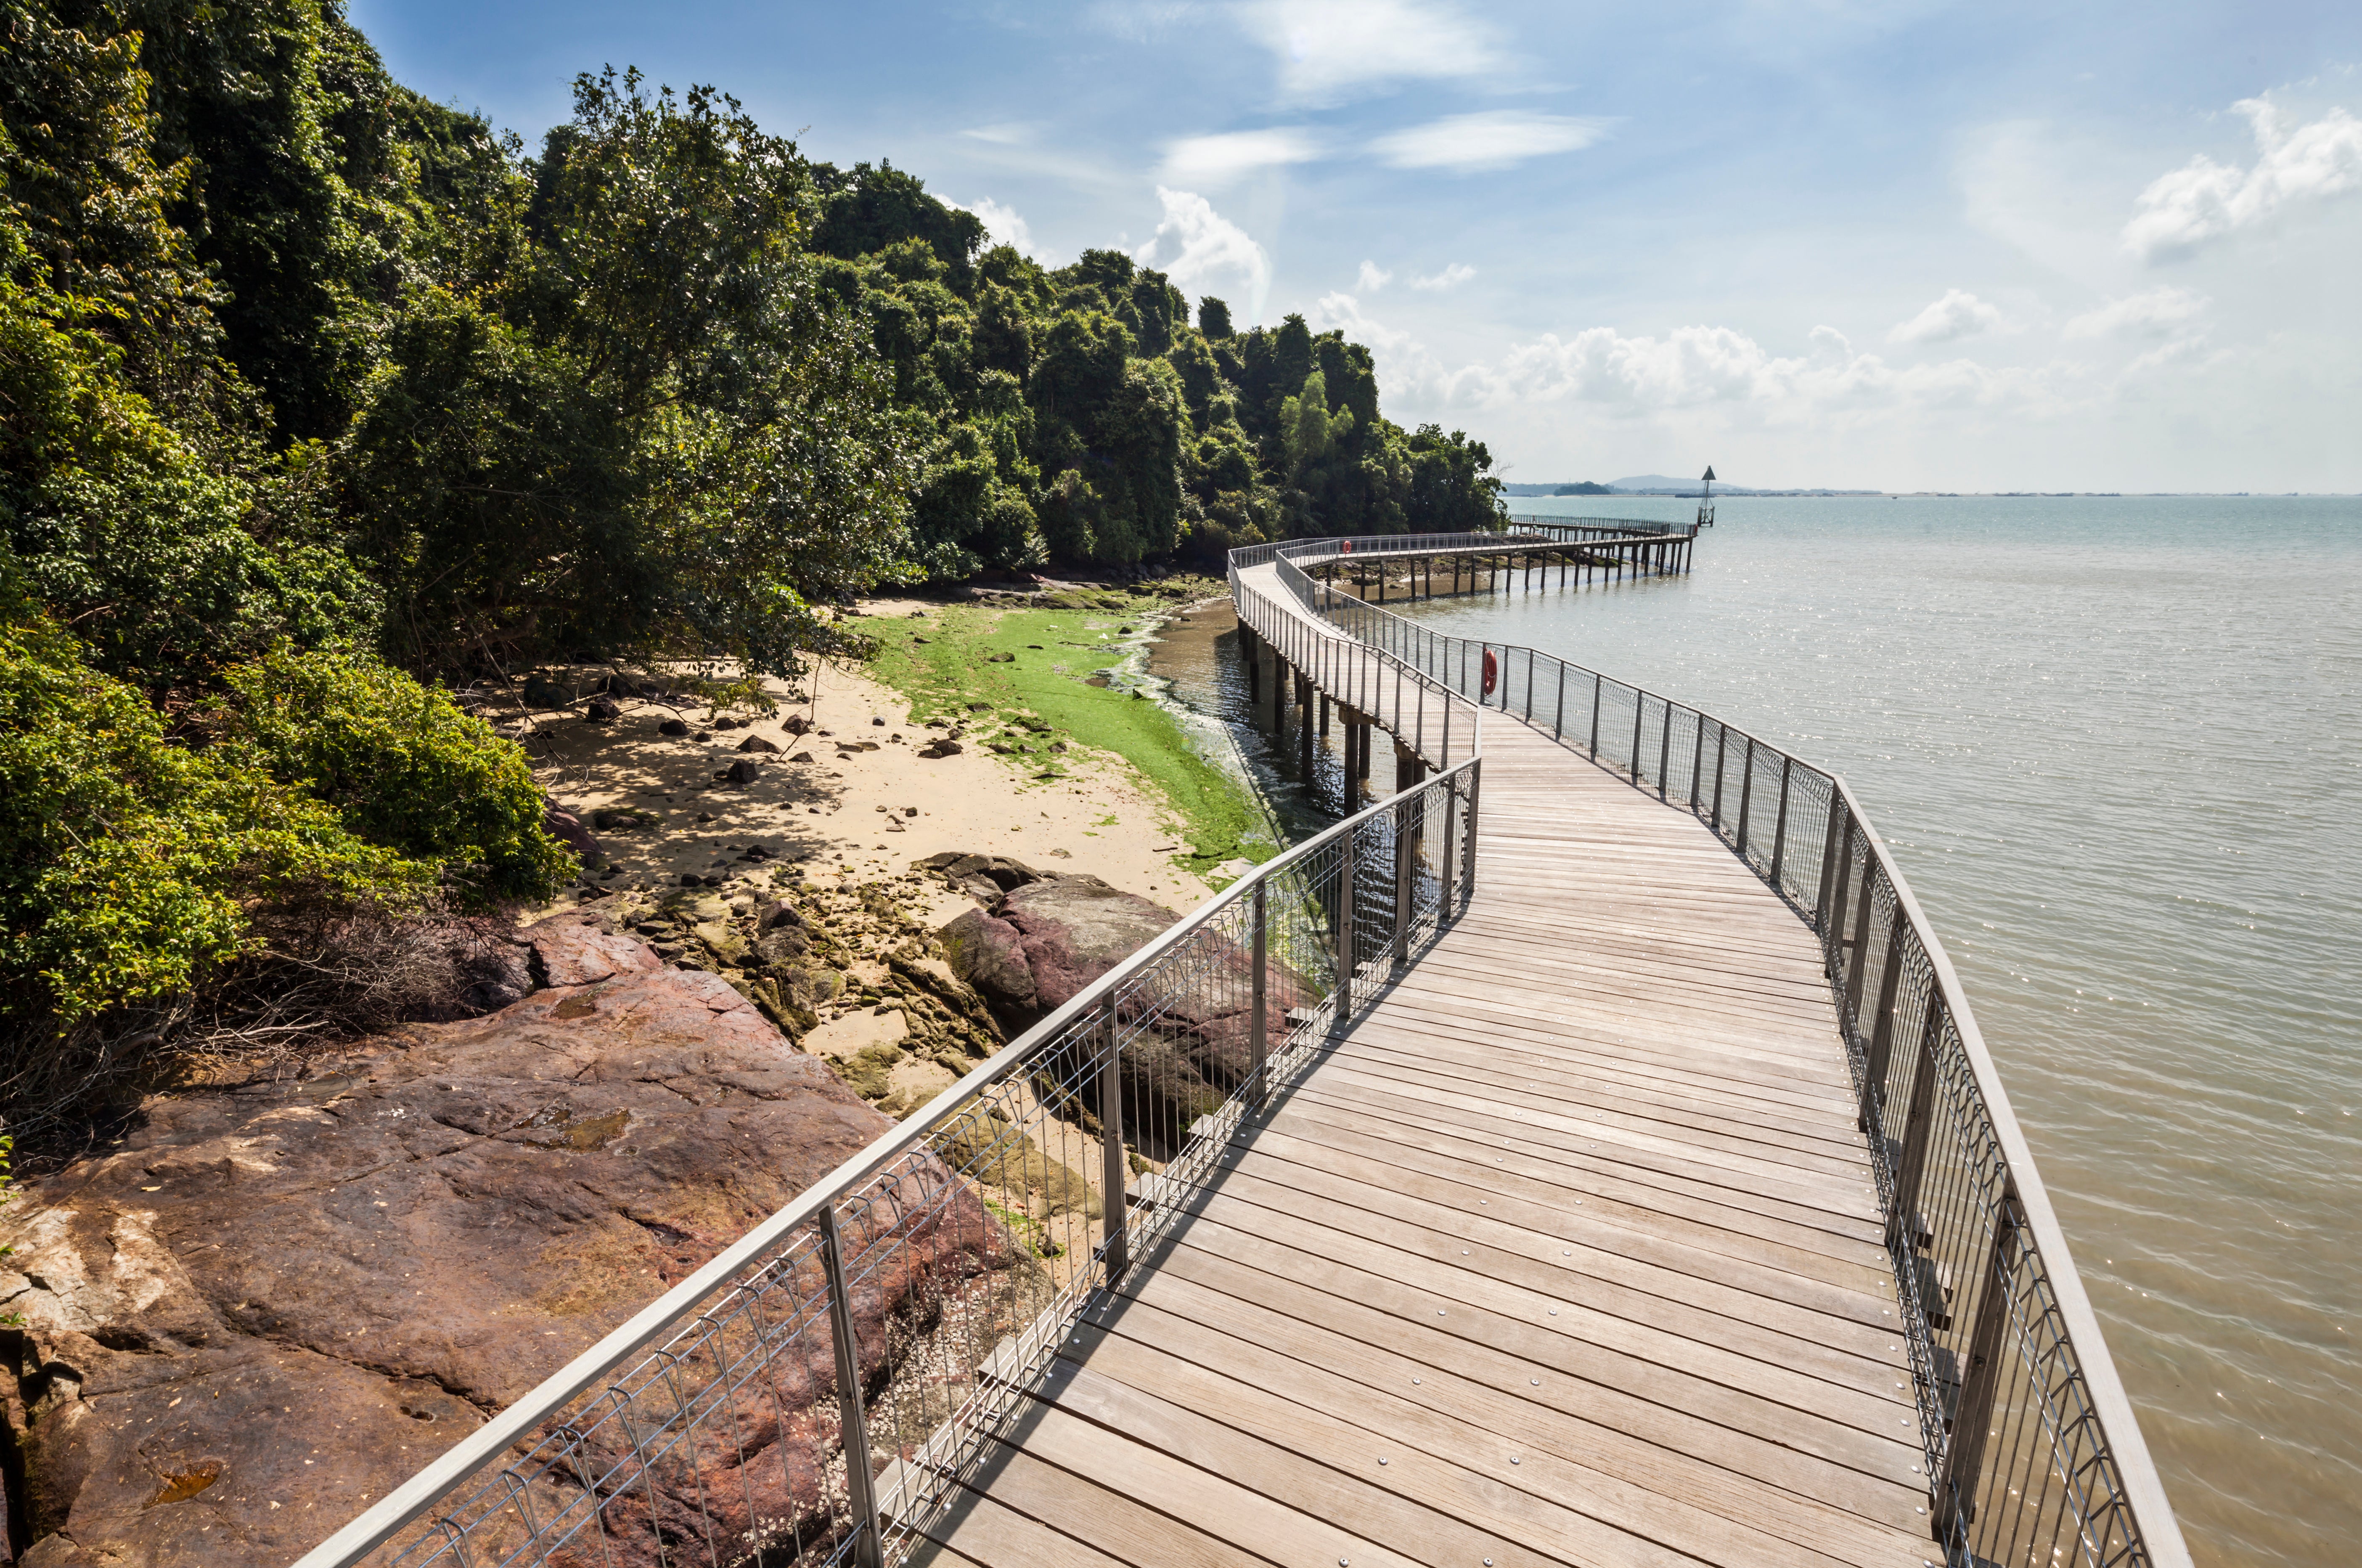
1019 679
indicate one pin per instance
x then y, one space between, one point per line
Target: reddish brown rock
578 950
569 830
1043 942
272 1302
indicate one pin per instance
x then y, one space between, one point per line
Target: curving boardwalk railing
2033 1451
828 1387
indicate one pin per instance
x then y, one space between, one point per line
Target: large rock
270 1303
1043 944
569 830
1076 929
1046 937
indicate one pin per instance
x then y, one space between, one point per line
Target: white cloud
1373 278
2204 200
1692 370
1001 226
1492 140
1957 316
1451 277
1694 365
1202 250
2152 314
1219 160
1327 47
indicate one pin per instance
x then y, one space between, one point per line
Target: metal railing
1425 714
1602 527
2033 1456
829 1383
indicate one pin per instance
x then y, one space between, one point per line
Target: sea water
2115 743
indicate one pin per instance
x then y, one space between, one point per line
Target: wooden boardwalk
1565 1253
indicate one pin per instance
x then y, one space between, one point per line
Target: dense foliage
315 396
1078 415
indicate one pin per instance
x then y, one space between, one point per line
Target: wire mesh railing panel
2032 1454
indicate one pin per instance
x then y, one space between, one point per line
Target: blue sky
1909 245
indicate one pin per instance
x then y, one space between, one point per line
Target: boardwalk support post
1115 1174
860 1475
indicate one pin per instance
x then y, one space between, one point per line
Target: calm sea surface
2117 746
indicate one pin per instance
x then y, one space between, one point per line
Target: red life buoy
1492 673
1346 545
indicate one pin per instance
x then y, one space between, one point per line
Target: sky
1901 246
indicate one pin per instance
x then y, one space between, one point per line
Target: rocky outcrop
271 1302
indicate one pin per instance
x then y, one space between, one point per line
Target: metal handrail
610 1443
2031 1445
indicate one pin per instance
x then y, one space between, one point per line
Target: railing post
1665 751
1529 686
1746 794
860 1477
1115 1171
1952 1499
1451 843
1829 862
1596 678
1468 872
1721 746
1903 1229
1835 875
1852 1019
1882 1031
1639 707
1403 844
1780 826
1343 993
1258 1044
1697 757
1558 724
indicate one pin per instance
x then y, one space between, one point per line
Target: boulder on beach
1041 944
570 831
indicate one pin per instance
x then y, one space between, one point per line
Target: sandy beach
850 801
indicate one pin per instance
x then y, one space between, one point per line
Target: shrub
130 866
403 768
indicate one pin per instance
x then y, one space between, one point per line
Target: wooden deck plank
1370 1391
1600 1207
